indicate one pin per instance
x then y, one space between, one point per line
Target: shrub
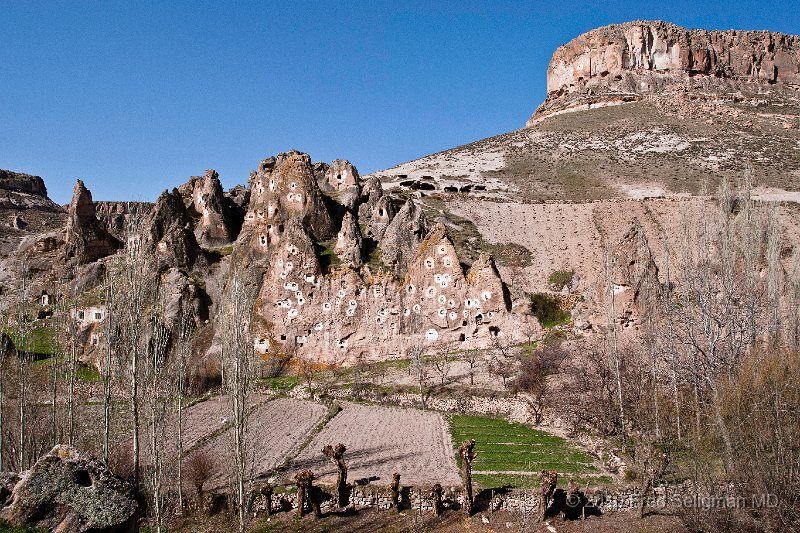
547 310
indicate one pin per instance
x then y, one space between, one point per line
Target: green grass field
517 454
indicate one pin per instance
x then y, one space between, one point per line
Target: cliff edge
624 62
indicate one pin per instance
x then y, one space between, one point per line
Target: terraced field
514 455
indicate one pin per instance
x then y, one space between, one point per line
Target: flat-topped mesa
623 62
23 191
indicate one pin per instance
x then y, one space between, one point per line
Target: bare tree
135 295
442 364
23 359
5 348
415 351
467 454
336 456
182 353
472 357
503 360
156 402
238 358
531 380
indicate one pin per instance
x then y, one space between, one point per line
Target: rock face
214 226
344 310
633 276
86 240
116 217
67 491
342 177
23 191
623 61
348 242
168 234
282 188
402 236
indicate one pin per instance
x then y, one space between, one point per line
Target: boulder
68 491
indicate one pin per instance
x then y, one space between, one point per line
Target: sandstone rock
85 238
168 235
403 236
379 217
67 491
342 177
20 191
214 226
284 188
622 61
633 275
348 242
8 480
117 217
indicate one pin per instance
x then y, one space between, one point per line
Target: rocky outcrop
338 311
68 491
342 178
621 62
118 217
633 276
284 187
402 236
23 191
348 242
214 225
86 240
167 234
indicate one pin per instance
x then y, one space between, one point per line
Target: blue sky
135 97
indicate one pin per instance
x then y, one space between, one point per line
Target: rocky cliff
622 62
23 191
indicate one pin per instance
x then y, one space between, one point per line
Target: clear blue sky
134 97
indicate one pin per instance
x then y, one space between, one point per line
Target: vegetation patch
38 341
547 310
87 374
511 454
326 254
215 255
560 279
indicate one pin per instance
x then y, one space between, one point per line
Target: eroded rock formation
67 491
340 308
214 220
621 62
86 240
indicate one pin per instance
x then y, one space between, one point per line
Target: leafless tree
23 360
532 376
336 456
472 357
137 289
503 363
238 356
415 351
5 348
467 453
155 396
442 363
182 353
